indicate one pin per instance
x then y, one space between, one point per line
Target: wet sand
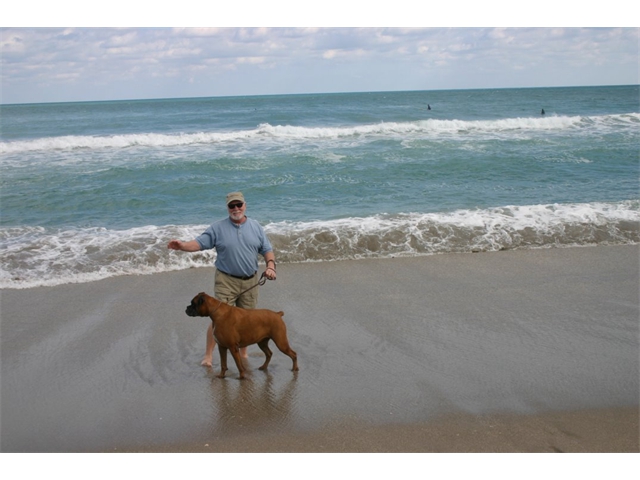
517 351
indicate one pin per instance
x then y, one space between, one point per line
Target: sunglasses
231 206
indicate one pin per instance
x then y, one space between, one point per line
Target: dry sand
519 351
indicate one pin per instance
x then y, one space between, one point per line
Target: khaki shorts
227 289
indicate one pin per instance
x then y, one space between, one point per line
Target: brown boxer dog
234 328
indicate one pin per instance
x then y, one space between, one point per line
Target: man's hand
270 273
175 245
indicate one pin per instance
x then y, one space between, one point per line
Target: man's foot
206 362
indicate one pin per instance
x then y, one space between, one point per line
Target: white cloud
50 64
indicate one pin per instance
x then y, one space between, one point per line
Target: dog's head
198 306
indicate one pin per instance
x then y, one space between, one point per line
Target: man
238 240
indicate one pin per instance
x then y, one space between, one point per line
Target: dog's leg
264 346
223 361
294 356
235 353
282 343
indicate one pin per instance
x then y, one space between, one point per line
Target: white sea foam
460 231
430 128
35 256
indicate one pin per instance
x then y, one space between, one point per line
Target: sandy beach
515 351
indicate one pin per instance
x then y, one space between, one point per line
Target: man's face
236 210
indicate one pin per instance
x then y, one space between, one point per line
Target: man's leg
223 292
248 301
207 361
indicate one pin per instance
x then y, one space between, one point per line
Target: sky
44 62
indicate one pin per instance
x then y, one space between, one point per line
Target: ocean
97 189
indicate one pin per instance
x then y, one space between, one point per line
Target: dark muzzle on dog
194 306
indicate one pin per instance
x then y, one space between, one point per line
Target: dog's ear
200 299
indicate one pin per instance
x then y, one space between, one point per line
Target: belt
240 278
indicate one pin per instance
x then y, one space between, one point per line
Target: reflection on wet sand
262 401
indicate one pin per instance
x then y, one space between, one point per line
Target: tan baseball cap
235 196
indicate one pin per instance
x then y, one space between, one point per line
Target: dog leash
262 281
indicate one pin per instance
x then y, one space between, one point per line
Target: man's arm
270 271
191 246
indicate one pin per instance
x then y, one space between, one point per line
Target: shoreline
521 350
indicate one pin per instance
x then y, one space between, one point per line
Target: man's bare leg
207 361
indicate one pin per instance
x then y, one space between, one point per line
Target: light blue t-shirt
237 246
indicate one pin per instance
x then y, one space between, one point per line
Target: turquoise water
91 190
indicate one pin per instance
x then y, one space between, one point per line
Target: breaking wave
36 256
430 128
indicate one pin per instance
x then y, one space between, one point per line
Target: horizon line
311 93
